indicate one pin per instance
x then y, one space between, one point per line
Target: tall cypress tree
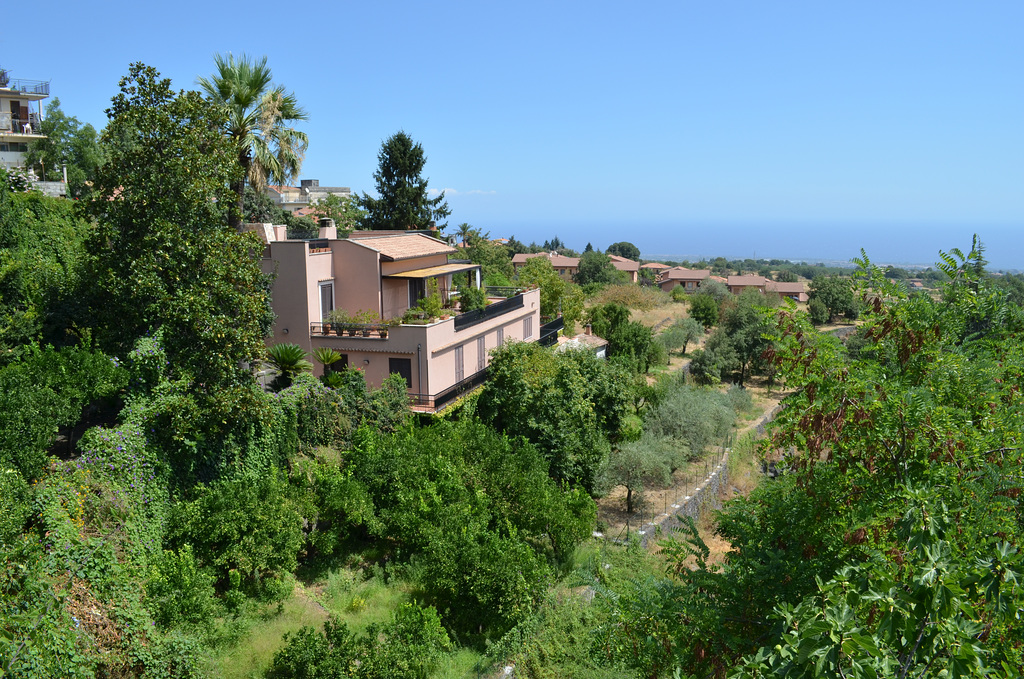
403 203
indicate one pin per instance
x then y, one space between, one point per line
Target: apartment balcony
437 357
30 89
14 127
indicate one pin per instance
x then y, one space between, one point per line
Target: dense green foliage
835 295
596 268
67 144
162 256
890 545
624 249
557 295
42 245
407 647
704 310
630 343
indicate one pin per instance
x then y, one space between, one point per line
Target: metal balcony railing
471 318
29 86
10 123
372 330
443 398
549 332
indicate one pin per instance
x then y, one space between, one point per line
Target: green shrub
409 646
180 593
704 309
250 526
698 416
818 311
471 298
15 504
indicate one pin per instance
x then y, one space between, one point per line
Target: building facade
382 275
21 113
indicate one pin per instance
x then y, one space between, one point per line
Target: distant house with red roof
565 266
794 291
627 266
689 279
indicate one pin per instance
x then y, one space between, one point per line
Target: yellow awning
432 271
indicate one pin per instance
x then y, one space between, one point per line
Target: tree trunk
236 214
629 499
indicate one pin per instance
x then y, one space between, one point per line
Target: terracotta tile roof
557 261
624 264
657 266
406 246
680 273
747 281
785 288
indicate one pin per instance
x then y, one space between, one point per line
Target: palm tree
289 360
259 117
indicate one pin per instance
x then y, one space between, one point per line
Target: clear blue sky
800 129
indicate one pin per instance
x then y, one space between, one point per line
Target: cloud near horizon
456 192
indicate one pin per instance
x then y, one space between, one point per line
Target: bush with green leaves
247 525
682 333
15 504
698 416
409 646
551 400
704 310
480 512
818 311
46 390
471 298
179 591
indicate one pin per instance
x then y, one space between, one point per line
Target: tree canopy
624 249
67 141
403 201
162 256
259 118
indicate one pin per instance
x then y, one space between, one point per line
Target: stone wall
705 496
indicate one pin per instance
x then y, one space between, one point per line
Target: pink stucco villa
386 273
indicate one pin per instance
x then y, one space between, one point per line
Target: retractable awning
432 271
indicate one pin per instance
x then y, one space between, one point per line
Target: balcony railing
29 86
471 318
549 332
11 123
371 330
443 398
502 291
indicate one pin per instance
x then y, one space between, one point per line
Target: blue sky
797 129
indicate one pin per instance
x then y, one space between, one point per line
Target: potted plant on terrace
340 322
366 319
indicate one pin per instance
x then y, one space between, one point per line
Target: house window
460 368
326 299
481 354
528 327
338 365
416 291
403 367
500 336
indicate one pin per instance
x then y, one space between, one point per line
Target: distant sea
915 245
